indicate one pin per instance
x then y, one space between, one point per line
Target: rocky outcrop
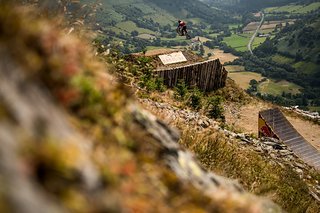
270 148
314 116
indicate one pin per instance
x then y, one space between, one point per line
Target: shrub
160 85
215 109
181 90
195 99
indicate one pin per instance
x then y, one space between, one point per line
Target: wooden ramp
272 123
207 76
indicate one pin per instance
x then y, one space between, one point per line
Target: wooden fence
207 76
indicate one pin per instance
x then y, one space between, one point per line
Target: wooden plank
207 76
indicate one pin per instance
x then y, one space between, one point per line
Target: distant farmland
295 9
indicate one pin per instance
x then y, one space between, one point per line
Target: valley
227 32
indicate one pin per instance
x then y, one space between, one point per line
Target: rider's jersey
182 24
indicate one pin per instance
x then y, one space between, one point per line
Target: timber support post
207 76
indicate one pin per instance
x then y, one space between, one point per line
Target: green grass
146 36
195 20
153 48
310 7
207 50
129 26
243 78
214 34
178 38
113 16
238 42
161 18
148 11
307 67
266 31
234 26
314 108
282 59
299 9
269 9
268 87
117 30
280 183
257 41
234 68
277 87
286 8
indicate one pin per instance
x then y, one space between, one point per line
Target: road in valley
255 33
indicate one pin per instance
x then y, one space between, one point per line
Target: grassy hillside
292 55
298 45
247 5
160 12
191 8
134 25
294 8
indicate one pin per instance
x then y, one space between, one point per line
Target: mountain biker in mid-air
182 29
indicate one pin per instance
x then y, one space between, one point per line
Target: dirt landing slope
246 118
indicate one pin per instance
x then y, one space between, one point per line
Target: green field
146 36
207 50
178 38
243 78
267 87
195 20
234 68
307 67
161 18
286 8
310 7
292 8
153 48
277 87
314 109
257 41
214 34
266 31
234 26
129 26
238 42
282 59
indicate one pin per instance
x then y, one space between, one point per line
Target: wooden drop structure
207 76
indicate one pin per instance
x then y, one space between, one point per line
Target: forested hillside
135 25
153 14
293 55
192 9
247 5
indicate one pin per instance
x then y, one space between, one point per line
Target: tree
201 50
253 82
215 109
134 33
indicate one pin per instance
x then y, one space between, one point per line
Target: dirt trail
255 34
245 118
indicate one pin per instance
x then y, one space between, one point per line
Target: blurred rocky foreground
72 139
